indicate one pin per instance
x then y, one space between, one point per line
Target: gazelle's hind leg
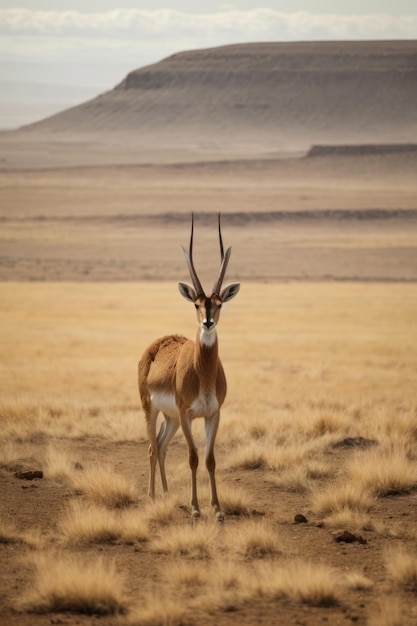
166 433
151 418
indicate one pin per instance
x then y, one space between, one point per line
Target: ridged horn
224 261
189 258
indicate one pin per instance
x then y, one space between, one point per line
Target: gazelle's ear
187 292
229 292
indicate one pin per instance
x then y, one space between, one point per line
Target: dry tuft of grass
193 542
383 471
306 582
348 518
253 540
62 584
293 479
234 501
104 486
402 568
163 512
15 455
328 420
301 581
89 523
249 456
10 535
338 499
58 465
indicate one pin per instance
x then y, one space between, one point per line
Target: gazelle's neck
206 355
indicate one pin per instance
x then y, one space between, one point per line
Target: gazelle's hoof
195 514
220 516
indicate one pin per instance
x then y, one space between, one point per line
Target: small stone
348 537
356 442
300 519
29 474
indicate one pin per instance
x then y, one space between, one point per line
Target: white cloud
100 47
239 25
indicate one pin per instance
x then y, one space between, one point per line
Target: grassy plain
320 420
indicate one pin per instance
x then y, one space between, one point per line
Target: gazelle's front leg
193 459
211 427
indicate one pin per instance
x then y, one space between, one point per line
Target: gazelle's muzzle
208 324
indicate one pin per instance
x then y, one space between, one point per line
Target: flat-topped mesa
317 92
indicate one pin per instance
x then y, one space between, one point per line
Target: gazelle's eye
196 306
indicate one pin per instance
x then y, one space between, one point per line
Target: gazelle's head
208 307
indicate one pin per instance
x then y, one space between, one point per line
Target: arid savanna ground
317 449
320 421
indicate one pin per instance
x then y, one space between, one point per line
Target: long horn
224 261
189 258
221 241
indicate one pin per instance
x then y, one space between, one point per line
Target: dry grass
163 512
350 518
14 455
323 370
192 542
402 568
227 587
253 540
89 523
341 498
59 466
305 582
383 471
61 583
234 503
301 581
250 456
9 534
104 486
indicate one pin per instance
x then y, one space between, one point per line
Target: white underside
203 406
208 337
165 402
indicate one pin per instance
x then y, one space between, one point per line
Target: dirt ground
38 505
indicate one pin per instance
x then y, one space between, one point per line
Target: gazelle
184 379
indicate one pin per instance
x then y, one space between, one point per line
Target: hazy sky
96 42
